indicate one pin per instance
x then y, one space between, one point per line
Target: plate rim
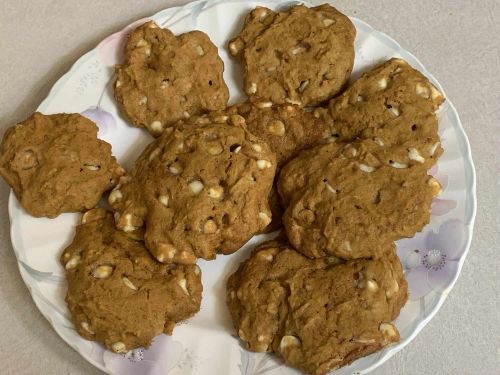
468 164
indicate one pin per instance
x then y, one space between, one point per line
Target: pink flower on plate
103 119
161 357
111 48
430 259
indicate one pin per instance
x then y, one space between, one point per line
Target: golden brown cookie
394 105
166 78
117 293
319 314
199 190
352 200
287 129
301 56
56 163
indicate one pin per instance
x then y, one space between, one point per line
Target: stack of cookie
342 171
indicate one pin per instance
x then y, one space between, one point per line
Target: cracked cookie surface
56 163
198 190
117 293
166 78
352 200
318 314
393 104
301 56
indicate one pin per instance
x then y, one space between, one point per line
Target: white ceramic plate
206 343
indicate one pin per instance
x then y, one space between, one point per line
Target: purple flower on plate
430 259
161 357
104 120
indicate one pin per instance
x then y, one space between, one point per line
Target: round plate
206 344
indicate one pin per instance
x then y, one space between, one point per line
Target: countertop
457 40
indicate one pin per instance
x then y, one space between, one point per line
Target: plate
206 344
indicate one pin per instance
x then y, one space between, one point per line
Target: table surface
457 40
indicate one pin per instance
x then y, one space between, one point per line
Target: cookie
301 56
351 200
166 78
287 129
198 190
56 163
317 314
394 105
117 293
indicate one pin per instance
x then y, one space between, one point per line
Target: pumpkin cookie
198 190
317 314
117 293
351 200
394 105
166 78
56 163
301 56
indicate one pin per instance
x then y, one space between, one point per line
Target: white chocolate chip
102 272
86 327
196 186
378 141
394 111
186 114
128 224
436 94
232 294
175 169
143 100
141 43
298 49
264 217
85 216
372 285
182 283
398 165
116 215
382 83
233 48
303 85
256 147
328 21
216 192
292 101
260 13
118 83
154 154
422 90
210 227
433 148
215 149
199 50
92 167
73 262
393 289
261 338
220 119
287 342
115 196
164 199
387 329
346 246
436 186
413 154
366 168
359 98
119 347
263 164
156 126
364 341
237 149
330 188
262 105
277 127
271 69
128 283
252 89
